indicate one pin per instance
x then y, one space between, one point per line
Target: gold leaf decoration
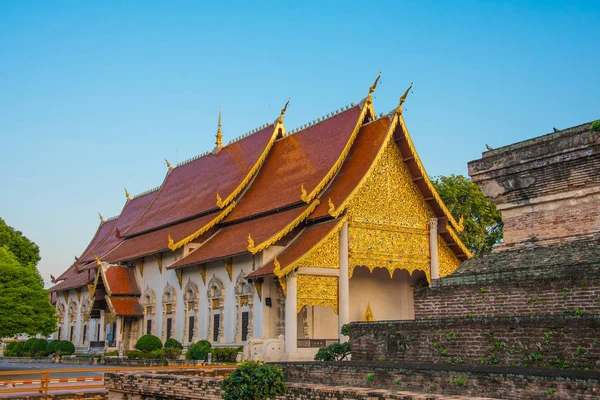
317 291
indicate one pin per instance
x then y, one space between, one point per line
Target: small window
191 329
217 321
149 327
245 316
169 327
84 334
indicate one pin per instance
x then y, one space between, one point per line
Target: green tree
482 221
24 304
27 252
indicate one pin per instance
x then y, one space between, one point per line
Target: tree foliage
198 351
149 343
482 221
24 304
26 252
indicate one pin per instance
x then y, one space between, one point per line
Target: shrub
113 353
225 354
254 381
595 126
171 353
173 344
39 347
29 343
148 343
155 354
11 346
51 346
65 347
18 349
336 351
26 354
134 354
198 351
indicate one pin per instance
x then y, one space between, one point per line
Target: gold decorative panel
325 254
382 246
317 291
448 262
389 196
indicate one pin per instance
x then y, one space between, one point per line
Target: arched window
73 314
149 301
169 308
244 295
60 319
216 304
192 298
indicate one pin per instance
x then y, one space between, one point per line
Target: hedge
198 351
148 343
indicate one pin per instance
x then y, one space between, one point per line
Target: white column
343 284
102 323
433 248
291 317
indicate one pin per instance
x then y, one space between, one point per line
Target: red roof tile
303 158
302 243
121 281
233 239
131 211
126 306
156 241
191 189
365 148
72 279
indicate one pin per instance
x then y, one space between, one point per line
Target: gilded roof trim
459 242
281 272
308 197
223 203
287 229
174 246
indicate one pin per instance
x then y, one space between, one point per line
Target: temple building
273 241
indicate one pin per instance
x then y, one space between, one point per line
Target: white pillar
433 248
291 316
343 284
102 323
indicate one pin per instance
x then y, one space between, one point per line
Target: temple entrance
317 327
130 332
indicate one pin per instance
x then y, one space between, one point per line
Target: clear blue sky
93 95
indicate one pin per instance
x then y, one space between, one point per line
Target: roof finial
127 194
168 164
283 110
402 100
98 262
219 141
101 218
372 89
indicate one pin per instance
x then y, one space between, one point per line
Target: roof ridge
146 192
253 131
113 218
196 157
323 118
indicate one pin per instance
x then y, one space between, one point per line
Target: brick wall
485 381
98 395
509 298
541 341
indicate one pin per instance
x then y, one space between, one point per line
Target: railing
46 383
304 343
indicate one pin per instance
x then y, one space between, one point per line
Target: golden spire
219 141
127 194
402 100
168 164
101 218
283 110
369 314
369 99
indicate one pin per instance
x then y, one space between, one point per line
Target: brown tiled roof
131 211
303 158
125 306
233 239
303 242
366 146
155 241
121 281
191 189
72 279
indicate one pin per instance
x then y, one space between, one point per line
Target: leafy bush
155 354
11 346
18 349
225 354
336 351
198 351
595 126
29 343
26 354
113 353
254 381
173 344
171 353
134 354
51 346
39 347
65 347
148 343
